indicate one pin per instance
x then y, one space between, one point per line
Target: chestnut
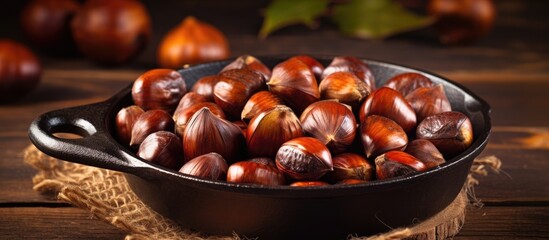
353 65
125 119
208 166
182 118
345 87
47 24
426 152
149 122
309 184
159 89
188 100
256 172
389 103
450 132
314 64
331 122
427 101
204 86
162 148
397 163
462 22
111 31
267 131
304 159
20 71
350 166
351 181
380 134
259 102
251 63
407 82
191 42
234 88
295 83
207 133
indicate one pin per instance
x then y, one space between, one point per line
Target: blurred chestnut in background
462 21
192 41
111 31
47 24
20 70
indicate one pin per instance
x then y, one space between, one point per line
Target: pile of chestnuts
299 123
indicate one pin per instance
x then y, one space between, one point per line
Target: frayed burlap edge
107 195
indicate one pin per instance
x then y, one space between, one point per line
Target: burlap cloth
107 195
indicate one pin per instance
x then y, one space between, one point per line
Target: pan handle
94 148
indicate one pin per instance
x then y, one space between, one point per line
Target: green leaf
281 13
376 19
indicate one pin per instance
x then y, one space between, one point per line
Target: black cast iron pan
215 207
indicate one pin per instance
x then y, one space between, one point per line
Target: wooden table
509 69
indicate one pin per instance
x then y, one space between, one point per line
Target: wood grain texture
53 223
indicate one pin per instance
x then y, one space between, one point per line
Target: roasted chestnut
295 83
159 89
20 71
269 130
259 102
352 65
308 184
251 63
207 133
182 118
345 87
162 148
380 134
125 119
111 31
191 42
204 86
209 166
149 122
462 22
389 103
47 24
397 163
188 100
256 172
234 88
350 166
304 159
331 122
426 152
406 83
450 132
427 101
314 64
